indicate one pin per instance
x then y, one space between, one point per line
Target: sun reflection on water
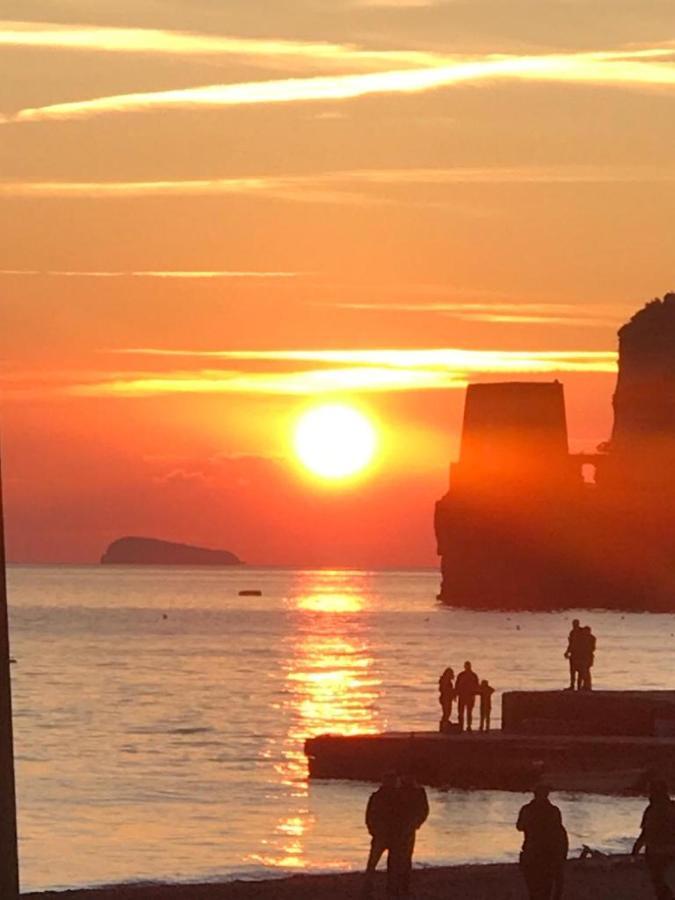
331 686
331 603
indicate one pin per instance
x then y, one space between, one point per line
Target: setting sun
334 441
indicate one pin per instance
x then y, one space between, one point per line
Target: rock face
143 551
519 528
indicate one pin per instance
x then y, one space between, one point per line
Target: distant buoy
250 593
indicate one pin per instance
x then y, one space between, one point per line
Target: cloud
448 359
394 4
270 187
524 313
286 53
169 274
300 372
356 186
644 68
345 379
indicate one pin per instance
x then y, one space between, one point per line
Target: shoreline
606 878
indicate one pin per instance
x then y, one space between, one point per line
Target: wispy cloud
645 68
299 372
348 186
450 359
499 312
303 383
394 4
170 273
285 53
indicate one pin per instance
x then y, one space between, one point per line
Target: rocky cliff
519 528
143 551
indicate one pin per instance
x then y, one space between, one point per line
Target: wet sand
612 878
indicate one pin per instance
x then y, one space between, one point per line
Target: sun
334 441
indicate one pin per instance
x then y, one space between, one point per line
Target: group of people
580 652
464 689
399 807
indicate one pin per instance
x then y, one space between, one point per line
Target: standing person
657 836
587 644
413 810
466 688
485 692
572 653
545 846
446 694
381 818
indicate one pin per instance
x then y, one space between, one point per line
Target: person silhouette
381 818
446 694
586 657
657 836
572 654
485 692
413 810
545 846
466 688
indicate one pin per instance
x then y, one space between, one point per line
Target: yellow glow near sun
334 441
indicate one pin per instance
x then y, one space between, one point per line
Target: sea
160 717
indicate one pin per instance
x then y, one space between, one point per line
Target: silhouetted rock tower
520 528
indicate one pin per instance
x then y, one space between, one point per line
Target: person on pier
381 821
446 695
572 654
485 692
467 688
657 837
545 846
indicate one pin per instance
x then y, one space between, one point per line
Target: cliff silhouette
144 551
519 527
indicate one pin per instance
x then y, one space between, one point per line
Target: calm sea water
160 718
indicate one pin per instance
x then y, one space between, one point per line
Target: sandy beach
612 878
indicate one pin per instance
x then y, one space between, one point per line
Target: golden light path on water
330 687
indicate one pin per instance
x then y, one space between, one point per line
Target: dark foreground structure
607 742
520 528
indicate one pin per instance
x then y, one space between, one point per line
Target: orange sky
246 186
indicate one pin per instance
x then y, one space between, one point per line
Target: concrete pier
608 742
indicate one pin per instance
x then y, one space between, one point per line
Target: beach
610 878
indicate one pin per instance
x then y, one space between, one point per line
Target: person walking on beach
446 694
586 657
466 688
381 819
413 810
572 654
657 836
545 846
485 692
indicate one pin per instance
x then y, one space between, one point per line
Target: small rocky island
144 551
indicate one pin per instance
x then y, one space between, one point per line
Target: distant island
144 551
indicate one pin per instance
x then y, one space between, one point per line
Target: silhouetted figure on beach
657 836
485 692
572 654
586 658
446 694
466 688
382 814
413 809
545 847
